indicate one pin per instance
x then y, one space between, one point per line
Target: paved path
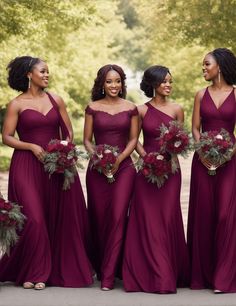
93 296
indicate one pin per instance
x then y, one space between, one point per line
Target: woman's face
39 75
164 89
210 68
112 85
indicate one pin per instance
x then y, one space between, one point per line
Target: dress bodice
38 128
213 118
151 122
111 129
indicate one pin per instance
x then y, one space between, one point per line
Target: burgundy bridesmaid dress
51 247
155 256
212 208
108 203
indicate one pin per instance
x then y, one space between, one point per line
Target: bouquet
174 139
156 167
103 159
11 220
215 146
63 157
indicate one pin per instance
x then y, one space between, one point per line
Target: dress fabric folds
155 256
52 245
212 208
108 203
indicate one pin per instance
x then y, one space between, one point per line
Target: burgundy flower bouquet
156 167
174 139
63 157
103 159
215 146
11 220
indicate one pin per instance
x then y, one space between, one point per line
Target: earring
154 93
103 91
219 76
29 82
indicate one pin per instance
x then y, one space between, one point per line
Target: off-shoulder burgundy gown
108 203
155 256
212 208
51 247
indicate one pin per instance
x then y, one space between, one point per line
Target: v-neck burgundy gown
51 247
155 256
108 203
212 208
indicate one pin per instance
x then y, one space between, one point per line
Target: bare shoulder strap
64 130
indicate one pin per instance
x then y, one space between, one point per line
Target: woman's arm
133 138
8 132
142 109
88 133
196 119
179 113
196 125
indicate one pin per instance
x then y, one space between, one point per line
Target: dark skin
160 101
34 98
112 104
219 90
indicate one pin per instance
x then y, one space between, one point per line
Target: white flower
107 151
219 137
177 144
160 157
64 142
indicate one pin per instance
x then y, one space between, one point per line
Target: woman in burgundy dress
112 121
212 208
51 246
155 256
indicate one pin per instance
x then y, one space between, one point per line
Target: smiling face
210 68
164 89
113 84
39 75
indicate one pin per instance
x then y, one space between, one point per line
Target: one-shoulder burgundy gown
52 244
212 208
155 256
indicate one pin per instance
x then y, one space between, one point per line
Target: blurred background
77 37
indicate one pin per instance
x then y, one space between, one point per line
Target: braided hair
227 63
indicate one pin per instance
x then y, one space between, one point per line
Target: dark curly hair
97 90
152 78
227 63
18 69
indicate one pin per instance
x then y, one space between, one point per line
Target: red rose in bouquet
215 146
174 139
63 157
156 167
11 220
103 160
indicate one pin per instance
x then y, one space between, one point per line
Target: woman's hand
38 152
116 166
